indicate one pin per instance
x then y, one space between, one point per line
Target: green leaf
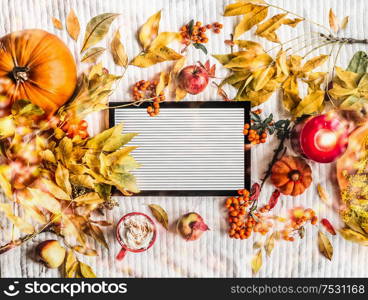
26 108
353 103
103 190
201 47
358 63
96 29
190 26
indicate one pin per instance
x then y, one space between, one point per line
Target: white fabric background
214 255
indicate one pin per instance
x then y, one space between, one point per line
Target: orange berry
208 26
198 24
217 31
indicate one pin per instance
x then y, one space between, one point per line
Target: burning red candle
322 138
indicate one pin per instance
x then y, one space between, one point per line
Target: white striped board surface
190 147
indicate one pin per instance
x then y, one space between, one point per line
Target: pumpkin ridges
291 181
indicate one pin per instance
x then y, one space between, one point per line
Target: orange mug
124 248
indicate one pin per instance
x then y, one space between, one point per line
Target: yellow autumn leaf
5 175
256 262
54 190
268 28
262 77
148 32
180 93
250 19
314 63
314 80
250 45
57 23
238 8
118 51
162 82
344 22
164 39
310 104
354 236
290 96
333 21
250 62
62 178
282 67
323 195
72 25
148 59
292 22
18 222
324 245
88 198
44 200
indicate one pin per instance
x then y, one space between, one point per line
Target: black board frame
194 104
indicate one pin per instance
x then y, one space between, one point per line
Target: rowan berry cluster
242 222
76 128
146 89
196 32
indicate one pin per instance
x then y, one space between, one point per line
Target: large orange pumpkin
37 66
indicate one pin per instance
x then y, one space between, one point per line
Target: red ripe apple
194 79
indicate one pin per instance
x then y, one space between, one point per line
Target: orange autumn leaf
72 25
333 21
57 23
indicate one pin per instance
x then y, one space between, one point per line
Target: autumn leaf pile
256 75
64 180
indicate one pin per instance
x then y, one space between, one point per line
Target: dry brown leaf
333 21
324 245
72 25
118 51
160 214
270 244
256 262
148 32
57 23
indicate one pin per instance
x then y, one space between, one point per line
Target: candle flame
326 139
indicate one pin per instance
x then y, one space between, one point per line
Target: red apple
194 79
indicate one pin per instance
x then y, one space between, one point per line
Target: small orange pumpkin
36 65
291 175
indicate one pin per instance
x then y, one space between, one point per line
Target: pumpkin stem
294 175
20 74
